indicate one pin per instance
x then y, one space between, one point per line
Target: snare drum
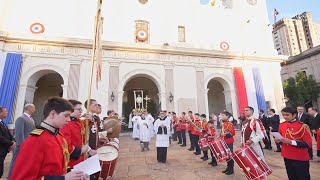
253 167
203 144
220 149
108 155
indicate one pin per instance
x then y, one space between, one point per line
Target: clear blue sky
290 8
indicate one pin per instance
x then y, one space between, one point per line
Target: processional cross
147 99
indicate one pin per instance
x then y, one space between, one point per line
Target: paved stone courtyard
181 164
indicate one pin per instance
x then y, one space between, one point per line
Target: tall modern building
293 36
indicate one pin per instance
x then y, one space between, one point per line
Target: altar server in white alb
135 132
150 120
162 128
253 132
144 127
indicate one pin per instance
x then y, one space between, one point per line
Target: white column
207 102
162 99
234 103
120 97
65 90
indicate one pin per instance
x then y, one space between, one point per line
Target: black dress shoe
205 159
202 157
226 170
277 151
179 142
183 145
196 153
190 149
214 164
230 172
210 163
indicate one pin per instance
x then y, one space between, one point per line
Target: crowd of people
296 130
65 137
60 142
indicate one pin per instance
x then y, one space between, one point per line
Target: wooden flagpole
94 52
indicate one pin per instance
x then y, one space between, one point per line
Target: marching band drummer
204 126
253 132
210 133
227 133
183 129
74 133
44 154
190 128
296 140
177 126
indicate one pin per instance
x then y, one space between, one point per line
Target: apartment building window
181 34
141 33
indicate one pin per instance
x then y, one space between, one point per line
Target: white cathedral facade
200 55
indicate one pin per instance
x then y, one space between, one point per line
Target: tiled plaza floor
182 164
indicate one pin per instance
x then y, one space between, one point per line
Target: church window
181 34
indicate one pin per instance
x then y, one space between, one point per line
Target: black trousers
191 140
174 136
230 163
162 154
297 170
213 158
183 136
3 154
267 142
205 154
179 136
195 143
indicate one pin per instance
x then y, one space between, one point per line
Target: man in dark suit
315 128
6 140
306 119
266 124
275 122
24 125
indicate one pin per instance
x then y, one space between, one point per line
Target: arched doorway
141 84
41 85
216 97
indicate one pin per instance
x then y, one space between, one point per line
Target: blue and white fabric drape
10 81
259 89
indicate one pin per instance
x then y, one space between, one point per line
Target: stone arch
142 73
221 78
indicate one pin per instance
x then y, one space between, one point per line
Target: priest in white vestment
135 132
150 120
144 132
252 133
162 128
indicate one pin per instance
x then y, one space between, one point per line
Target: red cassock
74 134
44 153
299 132
194 131
228 128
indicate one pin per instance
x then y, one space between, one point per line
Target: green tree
301 90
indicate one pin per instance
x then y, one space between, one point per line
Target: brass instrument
84 132
194 126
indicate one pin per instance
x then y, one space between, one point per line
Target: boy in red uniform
210 133
183 129
44 154
190 129
177 126
74 134
227 133
204 126
196 132
296 139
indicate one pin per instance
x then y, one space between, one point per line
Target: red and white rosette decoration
36 28
224 46
142 35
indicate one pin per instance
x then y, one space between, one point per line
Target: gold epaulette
36 132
